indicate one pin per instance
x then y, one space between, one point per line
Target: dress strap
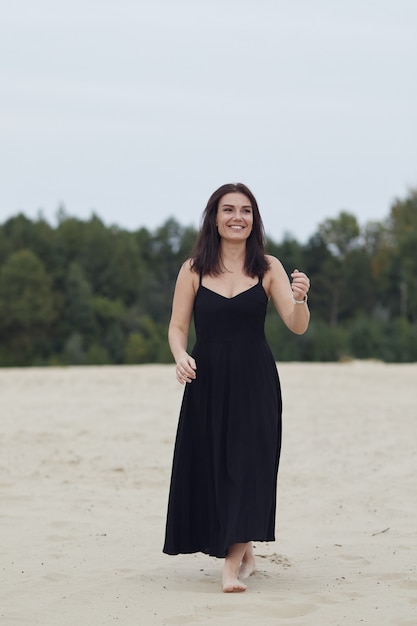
200 279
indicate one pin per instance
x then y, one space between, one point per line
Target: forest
83 293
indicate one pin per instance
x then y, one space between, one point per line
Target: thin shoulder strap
200 279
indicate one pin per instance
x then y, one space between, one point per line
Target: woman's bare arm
283 293
179 326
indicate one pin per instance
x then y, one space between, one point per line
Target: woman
224 475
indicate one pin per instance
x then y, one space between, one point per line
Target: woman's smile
234 214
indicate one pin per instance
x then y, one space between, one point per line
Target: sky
138 110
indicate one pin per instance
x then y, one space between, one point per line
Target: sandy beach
85 462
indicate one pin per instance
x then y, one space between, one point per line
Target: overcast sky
138 110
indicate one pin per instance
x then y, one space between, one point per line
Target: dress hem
210 553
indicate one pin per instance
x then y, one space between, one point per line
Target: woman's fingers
185 370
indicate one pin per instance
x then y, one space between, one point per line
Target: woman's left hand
300 285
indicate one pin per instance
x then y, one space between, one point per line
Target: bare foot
247 568
235 556
233 585
248 564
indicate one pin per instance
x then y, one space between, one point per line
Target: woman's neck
233 256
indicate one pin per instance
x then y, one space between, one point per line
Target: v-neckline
231 297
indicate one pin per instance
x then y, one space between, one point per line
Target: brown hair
206 254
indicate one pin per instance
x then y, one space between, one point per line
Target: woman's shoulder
188 265
274 264
188 273
276 271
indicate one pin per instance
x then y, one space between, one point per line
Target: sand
85 457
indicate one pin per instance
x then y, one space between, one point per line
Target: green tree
317 259
79 310
27 308
82 292
341 235
136 350
403 230
163 254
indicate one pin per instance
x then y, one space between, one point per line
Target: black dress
224 475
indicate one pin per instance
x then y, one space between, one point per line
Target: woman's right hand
186 369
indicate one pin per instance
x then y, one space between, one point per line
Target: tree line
81 292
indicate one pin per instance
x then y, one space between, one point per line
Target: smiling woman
224 475
234 216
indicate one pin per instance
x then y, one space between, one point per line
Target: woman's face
234 217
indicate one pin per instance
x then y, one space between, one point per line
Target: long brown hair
206 254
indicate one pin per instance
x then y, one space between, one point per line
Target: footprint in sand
409 584
279 559
355 557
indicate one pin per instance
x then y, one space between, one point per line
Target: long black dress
224 475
